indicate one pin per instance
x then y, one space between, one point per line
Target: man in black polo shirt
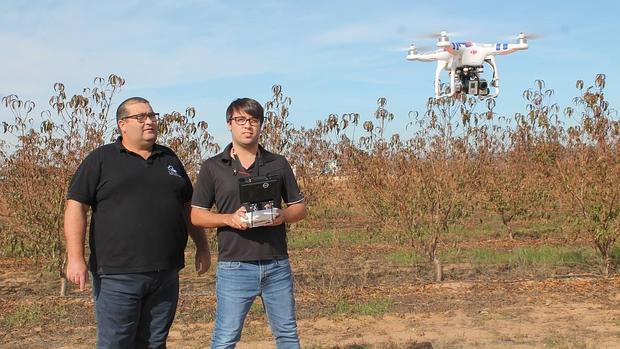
252 261
139 194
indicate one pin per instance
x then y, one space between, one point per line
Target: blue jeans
238 284
135 310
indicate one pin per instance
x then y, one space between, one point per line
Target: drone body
464 62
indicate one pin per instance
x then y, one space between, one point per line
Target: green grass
540 228
257 307
373 308
330 212
522 256
615 254
31 315
488 256
325 238
551 256
477 229
24 316
405 257
489 225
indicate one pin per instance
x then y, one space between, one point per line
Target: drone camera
477 87
472 87
483 88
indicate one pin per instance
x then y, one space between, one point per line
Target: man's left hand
279 219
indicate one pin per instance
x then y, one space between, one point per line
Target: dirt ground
568 312
568 325
557 325
552 313
351 298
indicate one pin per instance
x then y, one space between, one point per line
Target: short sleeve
188 192
204 190
291 194
84 183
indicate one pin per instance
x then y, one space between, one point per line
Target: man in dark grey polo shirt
139 194
252 261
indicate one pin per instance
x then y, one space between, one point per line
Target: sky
328 56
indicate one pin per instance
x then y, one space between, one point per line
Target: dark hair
121 111
247 105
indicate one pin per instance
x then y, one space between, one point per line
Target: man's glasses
240 120
141 118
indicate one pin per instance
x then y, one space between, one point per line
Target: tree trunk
63 276
438 270
608 266
506 222
604 247
63 286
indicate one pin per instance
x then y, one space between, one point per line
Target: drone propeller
527 36
436 35
414 47
534 36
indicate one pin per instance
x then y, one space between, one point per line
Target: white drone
464 62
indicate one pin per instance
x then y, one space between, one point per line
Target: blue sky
329 56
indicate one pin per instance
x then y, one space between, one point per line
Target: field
355 289
467 229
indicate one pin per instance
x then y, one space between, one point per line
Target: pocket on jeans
282 262
229 265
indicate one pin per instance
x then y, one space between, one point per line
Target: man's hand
203 260
233 220
75 233
77 272
279 219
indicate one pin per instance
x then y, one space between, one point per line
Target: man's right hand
77 272
233 220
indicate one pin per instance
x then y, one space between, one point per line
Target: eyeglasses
141 118
241 121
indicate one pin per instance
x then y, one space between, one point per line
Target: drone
464 63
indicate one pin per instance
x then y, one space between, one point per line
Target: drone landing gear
470 81
466 81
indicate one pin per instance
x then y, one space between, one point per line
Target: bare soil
502 309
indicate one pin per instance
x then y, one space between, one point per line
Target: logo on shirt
173 172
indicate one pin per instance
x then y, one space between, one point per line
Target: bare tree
47 150
589 169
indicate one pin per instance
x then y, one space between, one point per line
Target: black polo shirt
138 217
218 184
